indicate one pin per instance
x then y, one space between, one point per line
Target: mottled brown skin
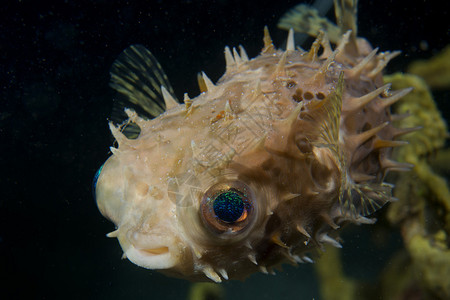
288 124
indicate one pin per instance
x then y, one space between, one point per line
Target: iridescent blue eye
227 207
95 179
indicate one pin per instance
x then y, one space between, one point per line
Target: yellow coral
432 262
420 105
423 209
435 71
335 285
205 290
429 139
422 212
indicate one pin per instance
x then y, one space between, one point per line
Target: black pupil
229 206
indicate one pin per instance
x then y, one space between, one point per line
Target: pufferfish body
258 170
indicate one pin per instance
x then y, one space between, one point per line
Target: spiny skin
296 128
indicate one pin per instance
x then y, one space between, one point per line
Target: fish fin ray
306 19
346 18
328 115
363 199
138 76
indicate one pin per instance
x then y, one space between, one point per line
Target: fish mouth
158 257
156 251
150 251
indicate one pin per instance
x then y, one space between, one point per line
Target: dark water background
55 103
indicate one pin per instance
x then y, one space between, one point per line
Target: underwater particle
40 99
397 280
423 45
62 36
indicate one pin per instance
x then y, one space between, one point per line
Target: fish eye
227 207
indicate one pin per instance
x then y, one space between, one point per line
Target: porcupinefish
262 167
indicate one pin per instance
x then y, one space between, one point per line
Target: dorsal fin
346 14
304 18
138 76
307 19
346 18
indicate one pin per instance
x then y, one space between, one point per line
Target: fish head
126 197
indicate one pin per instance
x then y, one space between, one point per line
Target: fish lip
155 251
158 257
149 250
